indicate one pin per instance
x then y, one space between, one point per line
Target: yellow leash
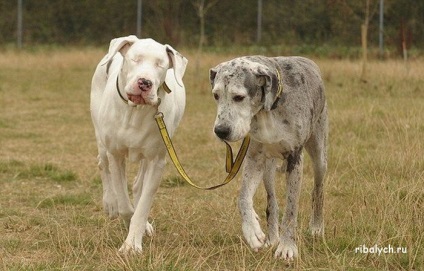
231 167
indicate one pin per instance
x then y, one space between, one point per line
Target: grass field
51 215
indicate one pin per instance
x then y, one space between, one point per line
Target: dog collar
279 90
164 86
280 84
119 92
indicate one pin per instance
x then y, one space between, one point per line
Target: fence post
381 32
259 22
19 26
139 14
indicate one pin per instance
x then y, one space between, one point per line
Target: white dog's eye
238 98
160 64
216 96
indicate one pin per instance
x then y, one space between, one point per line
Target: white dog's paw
253 234
286 250
110 207
131 248
149 229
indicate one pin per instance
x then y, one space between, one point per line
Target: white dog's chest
135 133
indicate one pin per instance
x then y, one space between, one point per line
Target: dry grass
50 208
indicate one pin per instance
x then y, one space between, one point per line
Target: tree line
225 22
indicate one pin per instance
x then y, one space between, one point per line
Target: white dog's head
145 66
241 87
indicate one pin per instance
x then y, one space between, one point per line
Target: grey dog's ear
271 84
213 72
212 75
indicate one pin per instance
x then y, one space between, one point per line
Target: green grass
51 215
45 171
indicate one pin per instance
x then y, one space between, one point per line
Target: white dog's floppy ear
121 45
272 85
178 63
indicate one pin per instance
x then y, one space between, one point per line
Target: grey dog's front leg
272 204
287 249
253 171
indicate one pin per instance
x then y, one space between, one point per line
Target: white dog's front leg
252 175
137 188
110 201
139 225
119 180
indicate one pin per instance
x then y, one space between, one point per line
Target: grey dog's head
241 87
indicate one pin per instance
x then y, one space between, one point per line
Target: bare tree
364 41
364 36
19 31
202 10
364 29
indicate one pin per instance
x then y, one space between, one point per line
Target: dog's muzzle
222 131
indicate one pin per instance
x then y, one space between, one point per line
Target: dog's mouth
136 99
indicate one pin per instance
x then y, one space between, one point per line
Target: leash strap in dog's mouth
232 167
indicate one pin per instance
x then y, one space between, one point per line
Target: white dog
128 88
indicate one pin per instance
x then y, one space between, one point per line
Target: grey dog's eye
238 98
216 96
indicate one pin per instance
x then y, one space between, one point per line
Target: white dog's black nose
222 131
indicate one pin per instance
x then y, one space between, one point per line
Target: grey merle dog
280 103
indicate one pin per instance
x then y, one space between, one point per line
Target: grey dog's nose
222 131
144 84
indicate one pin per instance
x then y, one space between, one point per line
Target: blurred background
51 214
332 28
